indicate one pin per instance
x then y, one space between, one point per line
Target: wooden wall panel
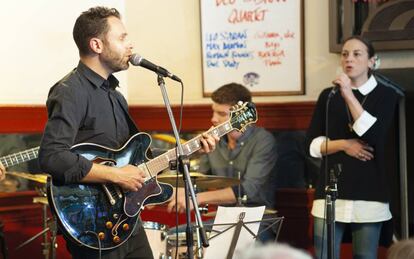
273 116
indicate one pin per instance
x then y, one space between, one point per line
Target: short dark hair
231 93
92 23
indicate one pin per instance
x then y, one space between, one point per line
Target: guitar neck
19 157
162 162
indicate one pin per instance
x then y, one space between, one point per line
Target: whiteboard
257 43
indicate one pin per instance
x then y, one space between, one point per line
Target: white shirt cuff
363 123
315 146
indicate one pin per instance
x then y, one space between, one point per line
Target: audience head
403 249
274 251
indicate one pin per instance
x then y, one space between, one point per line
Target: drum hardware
178 242
241 200
49 225
203 209
157 237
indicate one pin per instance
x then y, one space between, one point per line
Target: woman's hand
359 149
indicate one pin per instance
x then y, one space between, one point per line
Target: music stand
214 250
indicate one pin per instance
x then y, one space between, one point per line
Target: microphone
137 60
334 90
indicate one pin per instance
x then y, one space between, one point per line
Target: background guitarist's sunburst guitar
103 216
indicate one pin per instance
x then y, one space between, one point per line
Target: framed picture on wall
259 44
388 24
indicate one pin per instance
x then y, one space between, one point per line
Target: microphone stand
331 194
330 191
183 163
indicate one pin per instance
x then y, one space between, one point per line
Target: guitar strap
131 124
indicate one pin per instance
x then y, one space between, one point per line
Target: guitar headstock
242 115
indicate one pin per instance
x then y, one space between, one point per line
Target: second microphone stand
183 163
331 191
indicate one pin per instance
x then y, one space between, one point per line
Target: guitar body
87 212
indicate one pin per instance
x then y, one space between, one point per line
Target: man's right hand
130 178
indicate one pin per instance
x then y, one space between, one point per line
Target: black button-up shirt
82 107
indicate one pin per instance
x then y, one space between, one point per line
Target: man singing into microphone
85 106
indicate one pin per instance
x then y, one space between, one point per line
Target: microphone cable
330 95
176 179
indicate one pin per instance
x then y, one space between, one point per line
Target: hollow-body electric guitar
103 216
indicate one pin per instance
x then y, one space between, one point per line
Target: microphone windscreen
135 59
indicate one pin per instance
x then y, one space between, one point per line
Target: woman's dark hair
92 23
367 43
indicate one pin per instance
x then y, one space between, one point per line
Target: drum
157 237
182 246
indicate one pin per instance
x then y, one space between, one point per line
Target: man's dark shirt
82 107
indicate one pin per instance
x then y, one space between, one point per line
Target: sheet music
219 246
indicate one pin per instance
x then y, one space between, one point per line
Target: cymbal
202 181
41 178
166 138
